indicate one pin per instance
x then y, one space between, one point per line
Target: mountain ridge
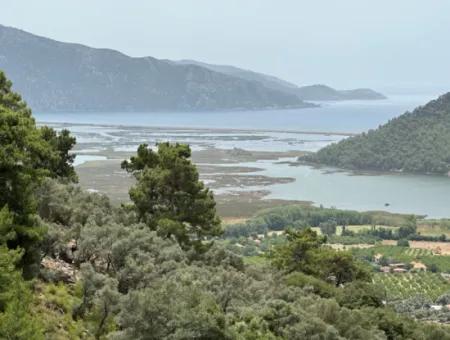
317 92
59 76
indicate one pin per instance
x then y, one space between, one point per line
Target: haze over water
345 116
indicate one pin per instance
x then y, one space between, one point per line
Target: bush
403 243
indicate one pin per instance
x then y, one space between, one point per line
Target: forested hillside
417 141
72 266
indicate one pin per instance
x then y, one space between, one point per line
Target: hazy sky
343 43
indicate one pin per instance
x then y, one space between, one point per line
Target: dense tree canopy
417 141
136 284
28 154
168 195
305 251
304 216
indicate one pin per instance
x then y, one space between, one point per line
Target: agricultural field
397 253
418 252
440 263
442 248
405 285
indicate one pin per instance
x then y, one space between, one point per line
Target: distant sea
344 116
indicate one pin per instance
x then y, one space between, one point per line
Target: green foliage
311 283
440 263
54 306
413 142
357 238
295 217
16 319
395 253
28 154
68 205
328 228
136 284
100 301
359 294
152 314
298 253
403 243
11 100
421 308
141 274
304 251
304 216
169 197
408 228
62 143
401 286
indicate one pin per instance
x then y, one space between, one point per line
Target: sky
383 44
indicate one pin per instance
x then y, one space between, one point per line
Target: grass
405 285
53 305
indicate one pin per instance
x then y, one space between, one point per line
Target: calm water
405 193
427 195
424 195
348 116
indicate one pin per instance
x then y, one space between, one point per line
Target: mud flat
239 190
232 162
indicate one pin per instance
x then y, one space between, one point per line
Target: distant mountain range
417 141
311 92
58 76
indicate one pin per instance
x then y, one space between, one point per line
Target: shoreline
207 129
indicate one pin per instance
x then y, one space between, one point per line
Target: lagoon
276 130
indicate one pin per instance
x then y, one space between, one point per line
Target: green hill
417 141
